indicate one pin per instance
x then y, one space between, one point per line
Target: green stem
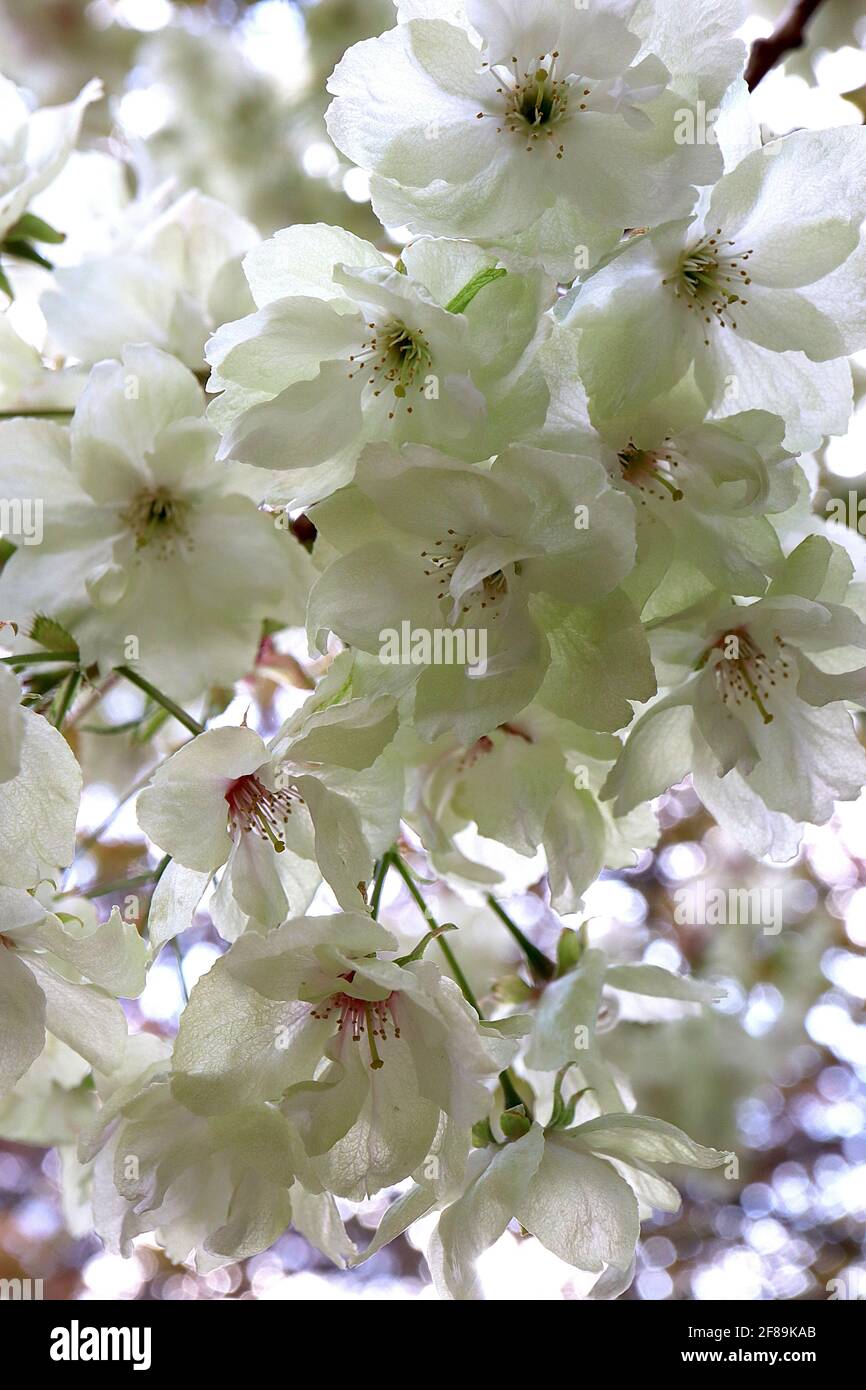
506 1081
36 414
174 710
379 883
38 658
101 890
67 695
405 874
157 875
179 957
510 1092
541 965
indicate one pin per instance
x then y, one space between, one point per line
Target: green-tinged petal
645 1139
600 661
579 1208
663 984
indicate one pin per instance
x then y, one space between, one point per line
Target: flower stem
144 928
379 883
101 890
510 1091
36 414
174 710
506 1080
403 871
38 658
541 965
67 696
178 954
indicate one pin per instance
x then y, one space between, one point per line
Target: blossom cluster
538 487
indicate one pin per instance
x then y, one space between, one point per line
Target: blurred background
229 98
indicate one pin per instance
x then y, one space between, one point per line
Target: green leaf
463 298
53 636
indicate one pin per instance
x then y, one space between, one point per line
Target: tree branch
789 34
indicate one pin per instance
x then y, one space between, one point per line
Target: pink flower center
651 471
253 806
370 1016
746 673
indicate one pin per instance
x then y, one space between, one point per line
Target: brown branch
789 34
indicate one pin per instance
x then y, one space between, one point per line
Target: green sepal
29 227
515 1123
419 950
512 989
482 1135
569 950
25 252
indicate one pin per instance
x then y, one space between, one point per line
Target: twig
542 966
67 697
506 1080
161 699
789 34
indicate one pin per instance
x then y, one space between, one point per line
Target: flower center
536 102
157 517
442 560
484 745
253 806
651 472
746 673
709 279
370 1016
396 357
